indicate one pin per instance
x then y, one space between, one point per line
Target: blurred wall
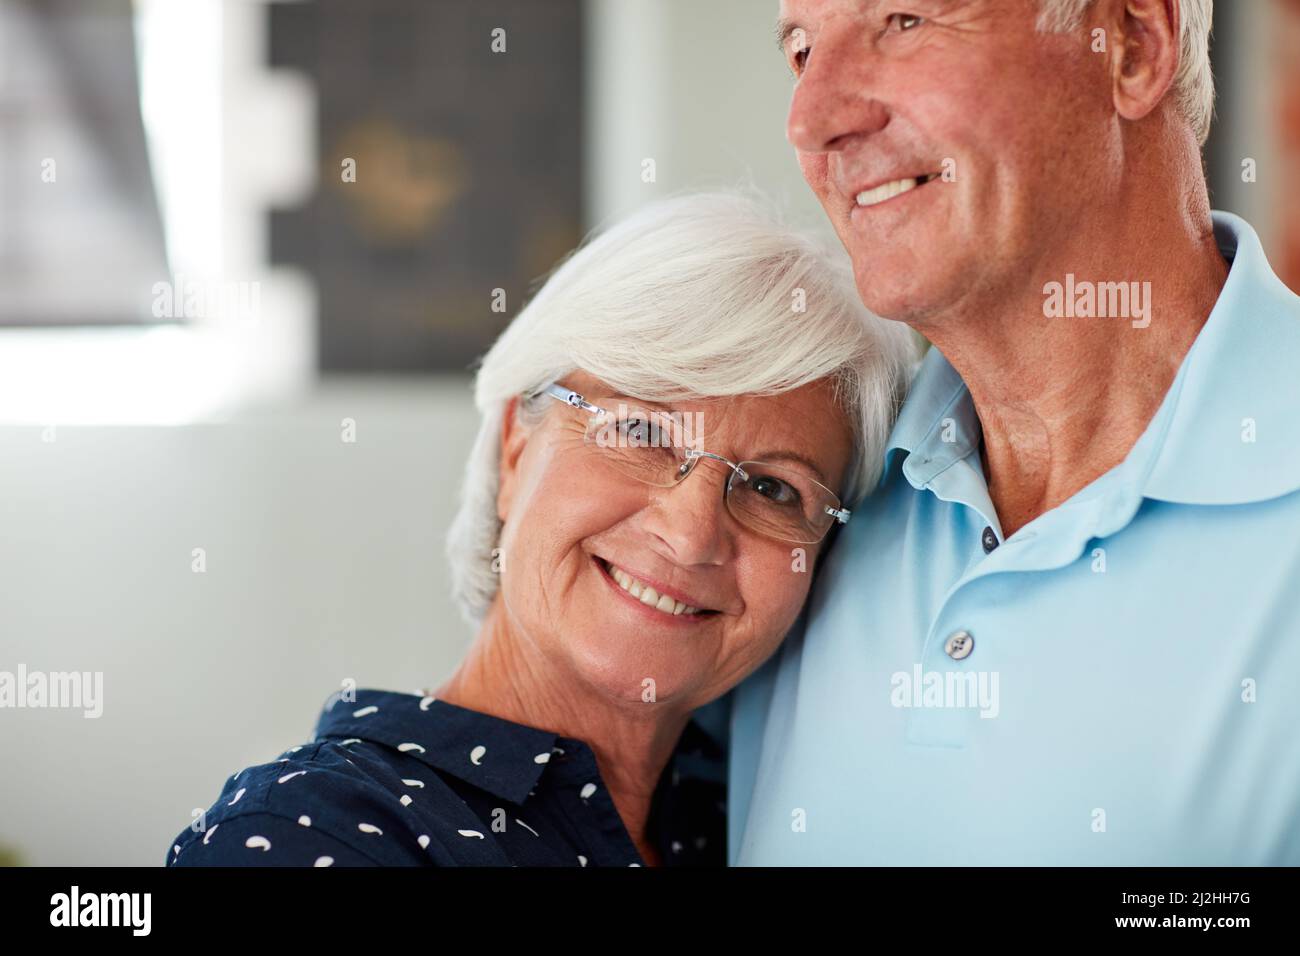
699 87
1248 49
323 561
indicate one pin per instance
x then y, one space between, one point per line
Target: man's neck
1062 400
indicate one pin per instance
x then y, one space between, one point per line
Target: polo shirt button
959 645
989 540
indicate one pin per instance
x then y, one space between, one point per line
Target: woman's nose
691 517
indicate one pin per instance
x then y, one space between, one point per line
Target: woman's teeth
648 595
871 197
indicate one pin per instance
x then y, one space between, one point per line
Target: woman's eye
636 430
774 489
644 433
904 21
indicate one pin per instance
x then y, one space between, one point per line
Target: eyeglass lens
651 446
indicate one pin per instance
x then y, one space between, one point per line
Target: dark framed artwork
462 123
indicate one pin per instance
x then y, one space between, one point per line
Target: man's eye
904 21
799 58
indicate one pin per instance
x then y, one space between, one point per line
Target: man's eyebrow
784 28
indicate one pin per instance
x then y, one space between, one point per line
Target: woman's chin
623 664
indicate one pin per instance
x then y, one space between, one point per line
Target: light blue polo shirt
1116 683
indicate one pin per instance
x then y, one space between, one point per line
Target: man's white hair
1194 81
696 296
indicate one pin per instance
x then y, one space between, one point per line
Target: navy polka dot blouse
395 779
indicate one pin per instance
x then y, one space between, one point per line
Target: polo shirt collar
935 435
937 422
1237 374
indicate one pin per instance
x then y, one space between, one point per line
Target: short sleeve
263 839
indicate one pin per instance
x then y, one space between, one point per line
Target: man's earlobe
1145 61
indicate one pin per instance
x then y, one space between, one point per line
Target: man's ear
513 439
1144 59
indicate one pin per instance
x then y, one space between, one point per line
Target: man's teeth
648 595
870 197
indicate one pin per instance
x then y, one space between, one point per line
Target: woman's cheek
782 588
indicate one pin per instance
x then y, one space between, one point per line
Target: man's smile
882 193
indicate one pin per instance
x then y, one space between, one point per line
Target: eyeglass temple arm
570 397
839 514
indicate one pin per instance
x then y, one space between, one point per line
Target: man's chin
893 288
901 301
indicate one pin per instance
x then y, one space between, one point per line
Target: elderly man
1065 628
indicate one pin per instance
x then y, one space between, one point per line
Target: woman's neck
505 675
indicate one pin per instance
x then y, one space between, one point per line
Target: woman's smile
649 602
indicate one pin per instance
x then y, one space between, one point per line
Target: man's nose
691 519
836 98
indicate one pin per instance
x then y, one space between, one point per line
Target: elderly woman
672 430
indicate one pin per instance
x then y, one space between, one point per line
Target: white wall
696 85
324 561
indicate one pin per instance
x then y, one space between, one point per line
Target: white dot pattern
393 779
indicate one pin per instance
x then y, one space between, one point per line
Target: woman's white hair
698 296
1193 81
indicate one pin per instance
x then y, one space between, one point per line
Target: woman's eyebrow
652 405
638 402
784 454
794 456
